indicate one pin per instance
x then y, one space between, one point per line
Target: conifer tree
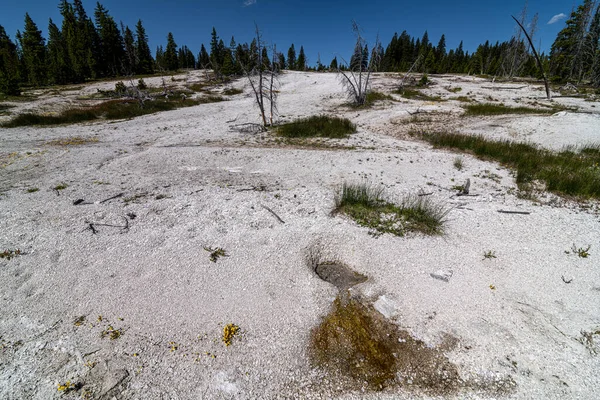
171 63
160 58
78 32
34 53
291 58
266 63
57 57
301 62
334 64
22 68
594 49
253 55
228 68
425 43
203 58
237 70
356 61
130 61
88 41
111 51
281 61
567 54
9 64
216 59
142 53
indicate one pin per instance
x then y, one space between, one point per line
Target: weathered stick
273 212
112 198
504 88
514 212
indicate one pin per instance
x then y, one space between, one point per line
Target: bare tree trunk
539 61
357 85
262 86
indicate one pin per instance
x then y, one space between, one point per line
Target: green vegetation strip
366 205
572 172
499 109
413 94
114 109
318 126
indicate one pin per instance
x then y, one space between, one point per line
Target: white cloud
249 3
553 20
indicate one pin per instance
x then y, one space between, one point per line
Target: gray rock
442 275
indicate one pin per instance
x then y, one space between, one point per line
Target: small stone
442 275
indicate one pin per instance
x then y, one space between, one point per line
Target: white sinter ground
189 182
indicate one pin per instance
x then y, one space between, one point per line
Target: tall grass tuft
367 206
318 126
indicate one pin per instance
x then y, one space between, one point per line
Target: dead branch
514 212
504 88
415 65
112 198
273 212
248 127
92 226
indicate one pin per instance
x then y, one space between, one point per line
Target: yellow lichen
229 331
112 333
66 387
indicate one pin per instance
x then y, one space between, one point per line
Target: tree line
83 48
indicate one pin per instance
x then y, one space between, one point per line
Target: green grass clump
569 172
374 96
366 205
5 107
114 109
318 126
413 94
232 91
210 99
458 163
499 109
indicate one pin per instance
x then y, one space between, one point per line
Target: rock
442 275
386 307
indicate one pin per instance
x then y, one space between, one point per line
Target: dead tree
415 65
263 80
356 79
537 58
517 54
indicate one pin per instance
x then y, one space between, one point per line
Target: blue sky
322 26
